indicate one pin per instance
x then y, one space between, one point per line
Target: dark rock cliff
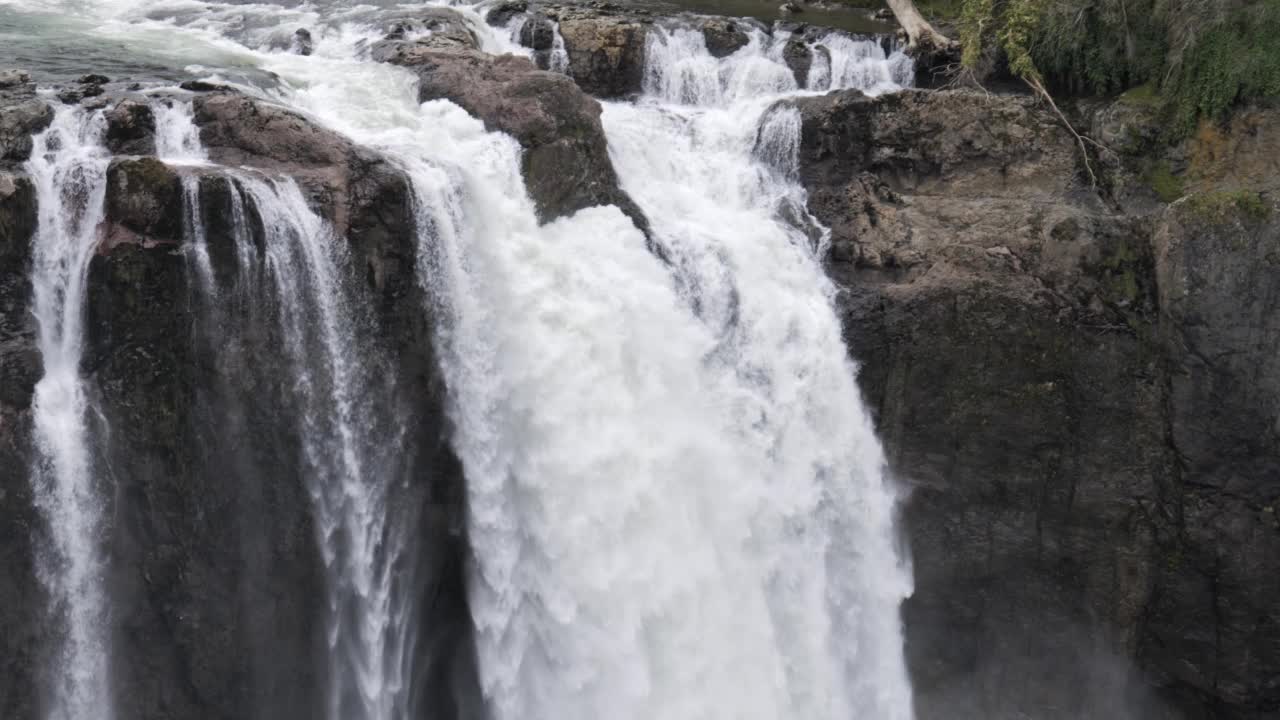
23 623
1082 401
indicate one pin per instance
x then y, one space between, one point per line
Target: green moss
1220 206
1122 278
1168 186
1194 58
940 9
1145 95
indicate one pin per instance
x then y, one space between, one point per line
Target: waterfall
69 167
559 58
177 137
677 506
350 429
711 160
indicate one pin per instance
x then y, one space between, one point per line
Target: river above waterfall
58 46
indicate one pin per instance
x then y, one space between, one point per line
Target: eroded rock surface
1045 371
22 598
606 51
22 114
566 158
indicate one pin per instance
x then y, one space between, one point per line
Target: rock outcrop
1048 377
438 28
566 159
22 114
606 46
1213 624
22 597
131 128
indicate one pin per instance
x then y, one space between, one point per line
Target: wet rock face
144 203
1063 389
239 130
606 53
429 29
131 128
21 115
724 36
502 13
566 160
538 34
21 594
88 86
1213 624
354 188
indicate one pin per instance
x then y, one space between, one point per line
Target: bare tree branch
919 31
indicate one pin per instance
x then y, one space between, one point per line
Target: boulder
724 36
22 114
131 128
143 203
19 356
606 51
88 86
302 43
797 56
538 33
504 12
438 28
566 159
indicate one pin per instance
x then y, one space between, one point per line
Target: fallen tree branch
1040 90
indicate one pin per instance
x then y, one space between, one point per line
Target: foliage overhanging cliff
1194 58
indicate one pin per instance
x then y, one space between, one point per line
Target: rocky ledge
566 159
1081 396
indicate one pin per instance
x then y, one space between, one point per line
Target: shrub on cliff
1203 56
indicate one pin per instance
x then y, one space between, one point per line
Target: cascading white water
678 503
348 452
841 62
559 58
177 137
678 508
711 160
347 441
69 167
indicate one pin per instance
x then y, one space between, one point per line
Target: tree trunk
919 31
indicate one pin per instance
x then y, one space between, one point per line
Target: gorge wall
1079 389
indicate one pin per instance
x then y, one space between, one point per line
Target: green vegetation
1219 206
1168 186
1195 59
940 9
1142 96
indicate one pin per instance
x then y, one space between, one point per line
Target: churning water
678 507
